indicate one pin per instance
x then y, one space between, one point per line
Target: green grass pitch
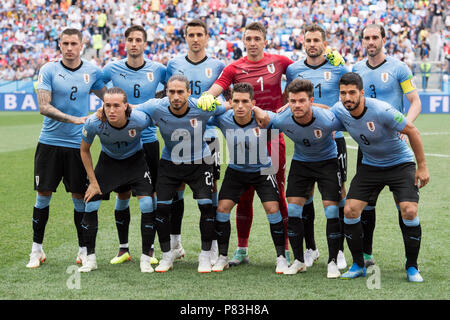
56 279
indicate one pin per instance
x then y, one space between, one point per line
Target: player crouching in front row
249 168
121 168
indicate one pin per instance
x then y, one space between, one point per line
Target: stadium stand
29 30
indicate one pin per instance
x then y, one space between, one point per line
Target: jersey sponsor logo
243 71
194 123
318 133
327 75
132 133
299 75
385 77
208 72
62 76
123 75
150 76
271 68
86 78
371 126
257 132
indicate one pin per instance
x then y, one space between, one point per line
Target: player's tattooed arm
46 109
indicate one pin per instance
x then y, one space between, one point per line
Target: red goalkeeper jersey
264 75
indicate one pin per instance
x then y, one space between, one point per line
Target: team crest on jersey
208 72
257 132
371 126
385 77
194 123
132 133
271 68
318 133
150 76
86 78
327 75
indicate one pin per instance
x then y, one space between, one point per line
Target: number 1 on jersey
260 79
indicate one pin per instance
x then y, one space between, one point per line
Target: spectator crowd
30 28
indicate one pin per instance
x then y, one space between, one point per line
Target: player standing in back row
63 96
263 71
139 78
325 78
386 79
201 71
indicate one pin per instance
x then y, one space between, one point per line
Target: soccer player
263 71
139 78
386 79
315 160
387 160
201 71
63 96
186 161
121 167
249 161
325 78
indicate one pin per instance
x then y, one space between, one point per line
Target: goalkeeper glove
334 57
207 102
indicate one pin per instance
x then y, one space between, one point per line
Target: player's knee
272 208
351 212
409 211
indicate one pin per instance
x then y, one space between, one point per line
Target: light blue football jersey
182 134
325 78
201 76
247 144
313 141
70 90
384 82
376 132
118 143
140 84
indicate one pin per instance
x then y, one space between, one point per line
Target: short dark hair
301 85
244 87
257 26
315 28
179 77
196 23
117 90
136 28
376 26
71 32
352 78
